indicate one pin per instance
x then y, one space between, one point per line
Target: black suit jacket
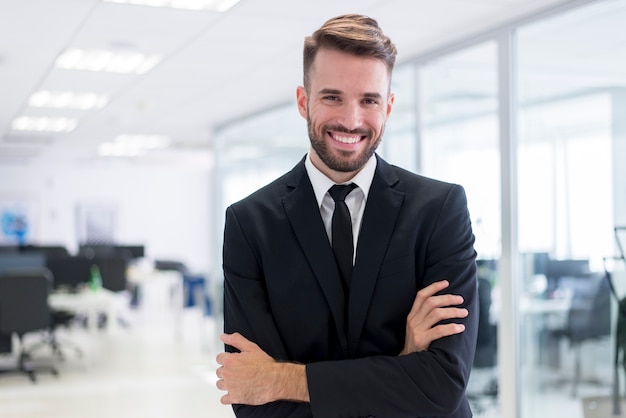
282 290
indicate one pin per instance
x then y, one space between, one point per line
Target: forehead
340 70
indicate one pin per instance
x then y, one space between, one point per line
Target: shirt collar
321 183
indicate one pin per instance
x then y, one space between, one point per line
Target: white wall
164 206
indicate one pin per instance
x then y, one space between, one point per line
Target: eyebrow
338 92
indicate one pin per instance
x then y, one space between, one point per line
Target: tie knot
339 191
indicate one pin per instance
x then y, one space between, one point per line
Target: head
346 96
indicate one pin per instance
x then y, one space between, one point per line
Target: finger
441 301
427 292
422 309
433 317
238 341
445 330
226 400
442 314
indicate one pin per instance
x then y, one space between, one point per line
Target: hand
252 377
428 310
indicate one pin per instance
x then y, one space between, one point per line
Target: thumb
238 341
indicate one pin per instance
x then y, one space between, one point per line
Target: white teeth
347 139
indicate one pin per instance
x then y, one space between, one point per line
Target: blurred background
128 126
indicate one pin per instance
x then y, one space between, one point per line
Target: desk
544 306
538 316
90 303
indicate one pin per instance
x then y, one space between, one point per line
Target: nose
351 116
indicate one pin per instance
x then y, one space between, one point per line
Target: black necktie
343 244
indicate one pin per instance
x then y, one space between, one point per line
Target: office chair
24 308
68 273
589 317
113 271
486 350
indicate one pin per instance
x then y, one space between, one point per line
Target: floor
155 367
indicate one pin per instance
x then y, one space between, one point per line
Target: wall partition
571 74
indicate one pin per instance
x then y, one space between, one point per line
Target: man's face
346 107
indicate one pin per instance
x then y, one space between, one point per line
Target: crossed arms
252 377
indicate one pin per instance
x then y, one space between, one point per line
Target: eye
370 101
331 98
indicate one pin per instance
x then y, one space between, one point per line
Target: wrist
290 382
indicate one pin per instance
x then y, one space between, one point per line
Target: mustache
343 129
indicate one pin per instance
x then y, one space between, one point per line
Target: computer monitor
561 268
21 261
555 269
69 272
10 249
49 251
111 250
134 251
96 250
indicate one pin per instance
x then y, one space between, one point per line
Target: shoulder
413 183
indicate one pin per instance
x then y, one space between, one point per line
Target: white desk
90 303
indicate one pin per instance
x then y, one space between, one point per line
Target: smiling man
384 327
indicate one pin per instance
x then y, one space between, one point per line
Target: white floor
156 367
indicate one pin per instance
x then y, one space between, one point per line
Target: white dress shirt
355 200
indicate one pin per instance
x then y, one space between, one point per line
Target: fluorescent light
44 124
220 6
68 100
132 145
123 62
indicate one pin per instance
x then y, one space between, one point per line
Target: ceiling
216 67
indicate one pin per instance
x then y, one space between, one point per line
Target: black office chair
24 308
486 350
68 274
113 273
589 317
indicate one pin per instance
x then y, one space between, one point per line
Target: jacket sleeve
247 311
429 383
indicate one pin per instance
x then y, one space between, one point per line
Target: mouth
346 138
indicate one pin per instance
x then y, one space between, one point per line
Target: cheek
377 122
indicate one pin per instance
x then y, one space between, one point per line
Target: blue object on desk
194 285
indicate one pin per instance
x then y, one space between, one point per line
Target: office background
522 103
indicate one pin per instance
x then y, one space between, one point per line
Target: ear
390 101
301 99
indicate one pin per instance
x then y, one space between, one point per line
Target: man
304 337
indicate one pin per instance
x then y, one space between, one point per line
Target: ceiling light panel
122 62
220 6
132 145
44 124
68 100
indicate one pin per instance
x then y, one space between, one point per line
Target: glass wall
571 72
458 105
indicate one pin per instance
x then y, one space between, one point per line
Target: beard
344 161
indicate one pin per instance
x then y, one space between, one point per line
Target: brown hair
353 34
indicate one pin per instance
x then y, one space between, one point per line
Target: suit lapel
381 210
304 215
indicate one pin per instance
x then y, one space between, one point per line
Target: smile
346 139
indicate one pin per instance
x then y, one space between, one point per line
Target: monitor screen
21 261
135 251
